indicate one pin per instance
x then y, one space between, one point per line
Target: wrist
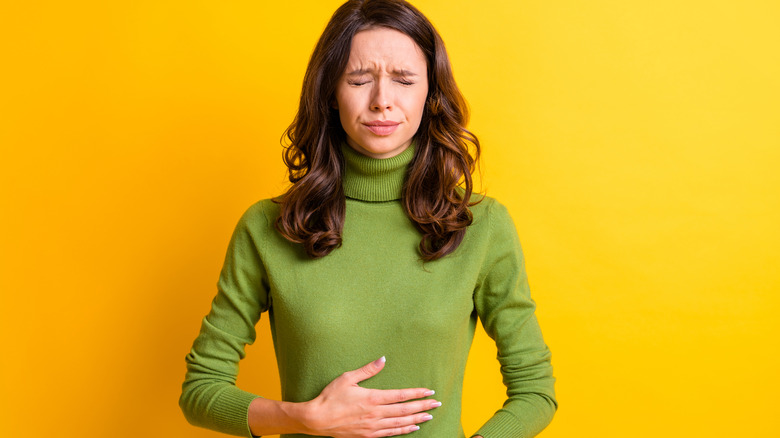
272 417
302 416
308 417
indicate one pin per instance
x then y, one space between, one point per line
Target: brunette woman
376 264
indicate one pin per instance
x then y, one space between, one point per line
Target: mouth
381 127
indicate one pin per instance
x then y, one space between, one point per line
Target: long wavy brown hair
438 186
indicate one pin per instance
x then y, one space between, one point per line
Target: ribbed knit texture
375 180
371 297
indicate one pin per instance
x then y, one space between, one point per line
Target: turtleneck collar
374 179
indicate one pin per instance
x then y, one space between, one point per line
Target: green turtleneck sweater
373 297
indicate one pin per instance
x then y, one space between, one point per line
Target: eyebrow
397 72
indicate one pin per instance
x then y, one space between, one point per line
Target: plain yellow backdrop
636 144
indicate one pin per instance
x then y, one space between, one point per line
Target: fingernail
415 427
381 360
427 417
436 404
430 392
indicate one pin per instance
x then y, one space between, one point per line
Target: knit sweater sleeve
209 395
506 310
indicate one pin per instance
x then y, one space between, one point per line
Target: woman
376 263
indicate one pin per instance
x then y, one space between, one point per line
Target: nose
381 98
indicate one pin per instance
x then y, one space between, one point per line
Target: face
381 94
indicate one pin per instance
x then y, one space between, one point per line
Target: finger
409 408
397 431
401 425
409 420
366 371
389 396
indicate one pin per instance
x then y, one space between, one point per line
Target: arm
211 399
506 310
209 396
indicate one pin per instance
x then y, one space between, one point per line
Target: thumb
367 371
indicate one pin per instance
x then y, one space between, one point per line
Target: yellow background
636 143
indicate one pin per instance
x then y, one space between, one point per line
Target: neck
375 179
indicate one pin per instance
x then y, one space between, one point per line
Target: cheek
347 103
416 102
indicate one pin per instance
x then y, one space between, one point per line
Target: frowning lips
382 127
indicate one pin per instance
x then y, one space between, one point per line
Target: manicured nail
430 392
436 404
415 427
381 360
427 417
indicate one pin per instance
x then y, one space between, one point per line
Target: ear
334 104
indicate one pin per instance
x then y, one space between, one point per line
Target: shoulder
492 226
256 223
262 212
490 212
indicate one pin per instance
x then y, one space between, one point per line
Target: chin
381 149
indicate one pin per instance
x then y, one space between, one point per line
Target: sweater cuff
501 424
231 411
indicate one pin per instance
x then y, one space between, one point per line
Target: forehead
383 48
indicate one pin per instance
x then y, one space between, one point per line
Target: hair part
438 186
